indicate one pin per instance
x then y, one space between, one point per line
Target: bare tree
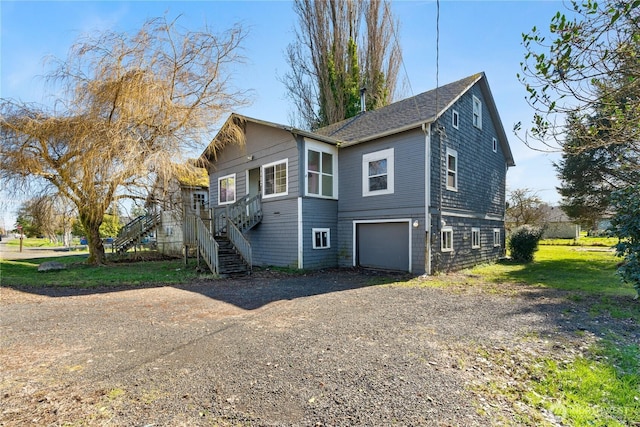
525 207
131 105
341 47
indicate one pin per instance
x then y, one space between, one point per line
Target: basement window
321 238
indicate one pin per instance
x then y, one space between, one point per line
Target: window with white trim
475 238
322 169
497 241
227 189
455 119
446 239
452 169
477 113
274 177
198 200
378 173
495 145
321 238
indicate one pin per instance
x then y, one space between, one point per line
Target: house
416 186
185 192
558 225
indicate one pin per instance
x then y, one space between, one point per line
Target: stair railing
244 213
134 230
241 244
208 248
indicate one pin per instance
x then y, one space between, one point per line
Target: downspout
427 194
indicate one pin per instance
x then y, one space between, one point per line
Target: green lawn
573 268
601 387
79 275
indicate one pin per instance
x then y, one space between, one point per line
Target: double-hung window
452 170
477 113
322 168
378 173
497 241
475 238
227 189
274 177
446 239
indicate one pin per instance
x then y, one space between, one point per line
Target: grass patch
32 242
587 392
24 273
606 242
599 386
581 269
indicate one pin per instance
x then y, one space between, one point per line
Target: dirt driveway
330 348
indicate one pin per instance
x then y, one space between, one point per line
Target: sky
474 36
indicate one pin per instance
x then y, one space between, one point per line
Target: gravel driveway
325 349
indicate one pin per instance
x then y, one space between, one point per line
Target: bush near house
523 242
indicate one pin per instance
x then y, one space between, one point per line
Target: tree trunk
96 248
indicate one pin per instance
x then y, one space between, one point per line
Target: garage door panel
383 245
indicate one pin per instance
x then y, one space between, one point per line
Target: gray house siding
319 213
405 204
480 197
275 240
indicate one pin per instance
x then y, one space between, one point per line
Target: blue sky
474 36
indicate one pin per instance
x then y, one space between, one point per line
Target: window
377 173
227 189
446 239
475 238
477 113
321 170
198 200
455 117
452 170
497 241
274 176
495 145
321 238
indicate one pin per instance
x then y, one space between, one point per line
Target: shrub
625 225
523 242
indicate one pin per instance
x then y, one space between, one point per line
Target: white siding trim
473 215
300 236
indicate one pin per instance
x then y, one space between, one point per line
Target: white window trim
323 148
320 230
475 231
447 230
497 238
235 189
455 119
477 112
264 181
495 145
453 153
193 199
378 155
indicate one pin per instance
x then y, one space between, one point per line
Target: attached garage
384 245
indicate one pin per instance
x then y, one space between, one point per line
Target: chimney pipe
363 104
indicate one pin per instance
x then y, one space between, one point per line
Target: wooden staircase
223 245
133 233
230 261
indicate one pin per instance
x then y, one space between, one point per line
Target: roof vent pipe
363 104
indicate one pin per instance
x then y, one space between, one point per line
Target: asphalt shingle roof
406 113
